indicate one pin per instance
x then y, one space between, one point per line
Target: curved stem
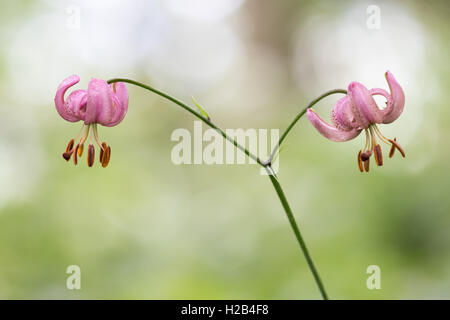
266 165
298 235
194 112
289 128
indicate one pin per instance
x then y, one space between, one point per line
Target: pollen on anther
102 151
106 157
70 145
392 151
360 163
396 146
75 154
366 164
378 155
90 155
80 150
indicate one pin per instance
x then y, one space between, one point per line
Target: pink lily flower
101 104
358 111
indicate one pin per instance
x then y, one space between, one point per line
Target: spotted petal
76 103
342 115
328 131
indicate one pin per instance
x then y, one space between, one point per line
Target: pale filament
380 135
96 136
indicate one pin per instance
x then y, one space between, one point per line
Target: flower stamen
375 147
392 151
103 147
75 154
97 140
367 140
106 157
86 134
360 163
91 155
77 150
380 135
70 145
366 164
80 150
67 155
378 155
395 145
372 147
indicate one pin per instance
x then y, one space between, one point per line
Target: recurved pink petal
381 92
394 109
364 104
120 103
64 109
329 131
99 108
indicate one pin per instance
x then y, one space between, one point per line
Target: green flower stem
266 165
289 128
194 112
298 235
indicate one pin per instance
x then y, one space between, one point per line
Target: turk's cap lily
102 103
358 111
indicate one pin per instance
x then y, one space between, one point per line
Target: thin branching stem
265 164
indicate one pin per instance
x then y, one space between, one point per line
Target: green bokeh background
145 228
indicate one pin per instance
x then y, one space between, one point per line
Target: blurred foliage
145 228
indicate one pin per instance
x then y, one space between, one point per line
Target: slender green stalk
298 235
266 165
301 113
194 112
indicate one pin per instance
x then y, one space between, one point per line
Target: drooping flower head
358 111
101 104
